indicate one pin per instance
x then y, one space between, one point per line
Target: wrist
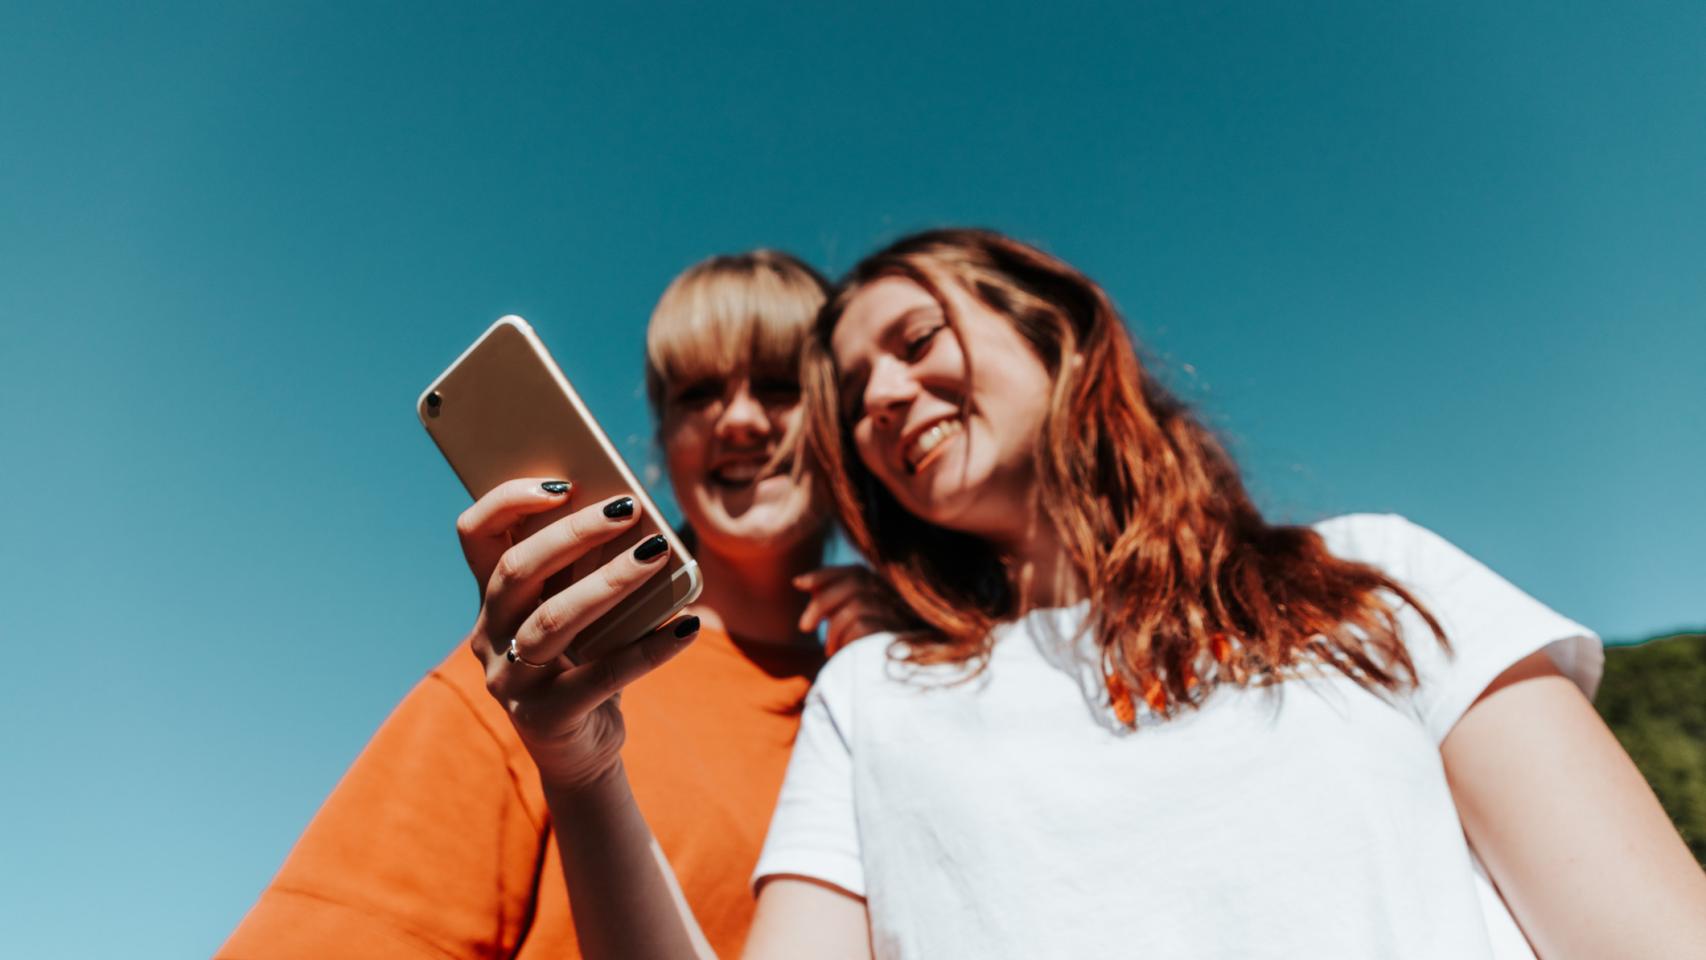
587 791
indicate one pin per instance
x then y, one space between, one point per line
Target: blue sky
1443 259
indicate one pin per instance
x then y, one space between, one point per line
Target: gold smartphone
504 410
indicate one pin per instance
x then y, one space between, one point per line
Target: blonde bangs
745 312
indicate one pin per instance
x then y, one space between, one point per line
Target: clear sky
1446 259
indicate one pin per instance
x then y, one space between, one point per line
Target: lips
736 473
926 441
740 471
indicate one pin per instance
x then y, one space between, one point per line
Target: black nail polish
555 486
686 626
651 547
617 509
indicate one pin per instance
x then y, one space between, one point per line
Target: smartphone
504 410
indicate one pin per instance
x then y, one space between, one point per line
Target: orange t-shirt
437 842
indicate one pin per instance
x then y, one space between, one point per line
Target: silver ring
514 657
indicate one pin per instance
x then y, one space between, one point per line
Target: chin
946 490
950 513
758 536
972 504
747 525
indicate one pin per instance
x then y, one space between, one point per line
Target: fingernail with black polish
686 626
617 509
555 486
651 547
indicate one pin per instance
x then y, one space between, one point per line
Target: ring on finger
515 657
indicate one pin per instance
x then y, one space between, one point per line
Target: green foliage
1654 698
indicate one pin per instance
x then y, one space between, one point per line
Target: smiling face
945 415
719 434
722 374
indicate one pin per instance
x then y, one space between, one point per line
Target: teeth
933 437
738 472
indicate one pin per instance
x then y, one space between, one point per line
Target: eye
776 390
918 344
698 394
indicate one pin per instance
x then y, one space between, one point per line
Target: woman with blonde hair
1139 717
438 841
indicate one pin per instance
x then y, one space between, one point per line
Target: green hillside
1654 698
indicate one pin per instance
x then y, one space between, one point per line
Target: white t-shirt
1010 816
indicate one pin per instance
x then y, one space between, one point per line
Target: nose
889 391
743 418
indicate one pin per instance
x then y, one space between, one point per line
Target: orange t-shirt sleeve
429 847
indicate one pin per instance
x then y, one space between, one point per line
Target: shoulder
859 656
1490 622
856 672
1381 539
1399 547
1442 576
859 659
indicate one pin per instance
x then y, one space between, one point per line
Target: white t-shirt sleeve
1490 623
814 832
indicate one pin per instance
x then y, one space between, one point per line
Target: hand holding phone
504 411
575 568
564 712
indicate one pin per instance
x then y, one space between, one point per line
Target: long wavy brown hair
1189 586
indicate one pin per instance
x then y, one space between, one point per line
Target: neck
752 598
1039 568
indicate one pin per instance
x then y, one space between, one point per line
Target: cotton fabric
437 843
1011 816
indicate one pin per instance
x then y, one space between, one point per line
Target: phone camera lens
433 403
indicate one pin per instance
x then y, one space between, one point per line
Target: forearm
622 892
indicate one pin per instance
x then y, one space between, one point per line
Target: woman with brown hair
437 843
1139 716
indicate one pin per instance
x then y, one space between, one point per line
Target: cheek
786 417
1016 387
864 445
684 454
